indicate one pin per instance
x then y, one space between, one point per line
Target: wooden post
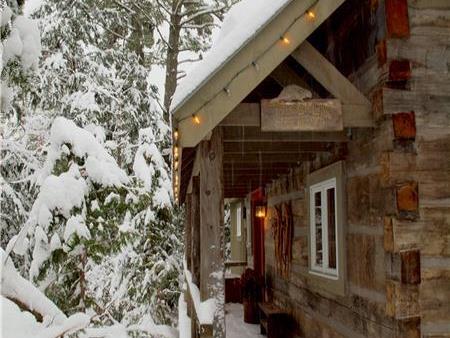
195 224
188 232
212 228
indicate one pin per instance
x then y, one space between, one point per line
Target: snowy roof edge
197 88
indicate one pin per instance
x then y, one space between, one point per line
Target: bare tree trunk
83 259
172 59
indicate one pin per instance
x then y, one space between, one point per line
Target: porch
291 111
325 180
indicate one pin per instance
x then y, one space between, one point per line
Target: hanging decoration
282 228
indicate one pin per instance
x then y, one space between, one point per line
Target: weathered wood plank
212 283
278 148
312 115
325 72
428 4
195 223
294 195
188 232
245 114
285 76
254 134
402 301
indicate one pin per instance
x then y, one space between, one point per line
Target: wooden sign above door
311 115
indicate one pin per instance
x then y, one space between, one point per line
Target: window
326 205
323 222
239 221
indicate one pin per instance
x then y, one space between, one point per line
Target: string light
176 134
310 14
227 90
285 40
175 151
195 118
255 64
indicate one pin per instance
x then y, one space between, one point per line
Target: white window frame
323 270
239 221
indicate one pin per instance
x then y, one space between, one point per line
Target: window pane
318 227
331 228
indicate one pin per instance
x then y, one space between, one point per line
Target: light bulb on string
310 14
196 119
255 64
285 40
176 134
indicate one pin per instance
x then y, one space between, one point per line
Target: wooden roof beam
254 134
275 147
249 115
268 158
286 76
357 109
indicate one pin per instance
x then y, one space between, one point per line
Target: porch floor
235 326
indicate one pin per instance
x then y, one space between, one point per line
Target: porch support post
195 224
188 233
212 267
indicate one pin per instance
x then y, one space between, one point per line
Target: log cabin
327 128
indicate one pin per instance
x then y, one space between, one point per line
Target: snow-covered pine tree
23 129
74 222
95 71
147 270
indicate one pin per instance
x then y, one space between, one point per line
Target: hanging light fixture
260 211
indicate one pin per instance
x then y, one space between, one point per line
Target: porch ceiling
253 158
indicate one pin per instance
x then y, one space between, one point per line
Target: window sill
324 275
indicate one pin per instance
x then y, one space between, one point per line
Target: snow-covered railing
202 313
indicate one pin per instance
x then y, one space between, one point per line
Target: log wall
397 193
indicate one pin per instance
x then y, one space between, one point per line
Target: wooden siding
398 196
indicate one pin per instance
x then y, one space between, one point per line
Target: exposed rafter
357 109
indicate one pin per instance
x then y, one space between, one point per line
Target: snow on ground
235 326
241 24
184 322
234 319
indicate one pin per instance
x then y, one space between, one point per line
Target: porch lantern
260 211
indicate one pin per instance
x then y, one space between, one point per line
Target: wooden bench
274 322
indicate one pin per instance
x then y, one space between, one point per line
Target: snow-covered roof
242 23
